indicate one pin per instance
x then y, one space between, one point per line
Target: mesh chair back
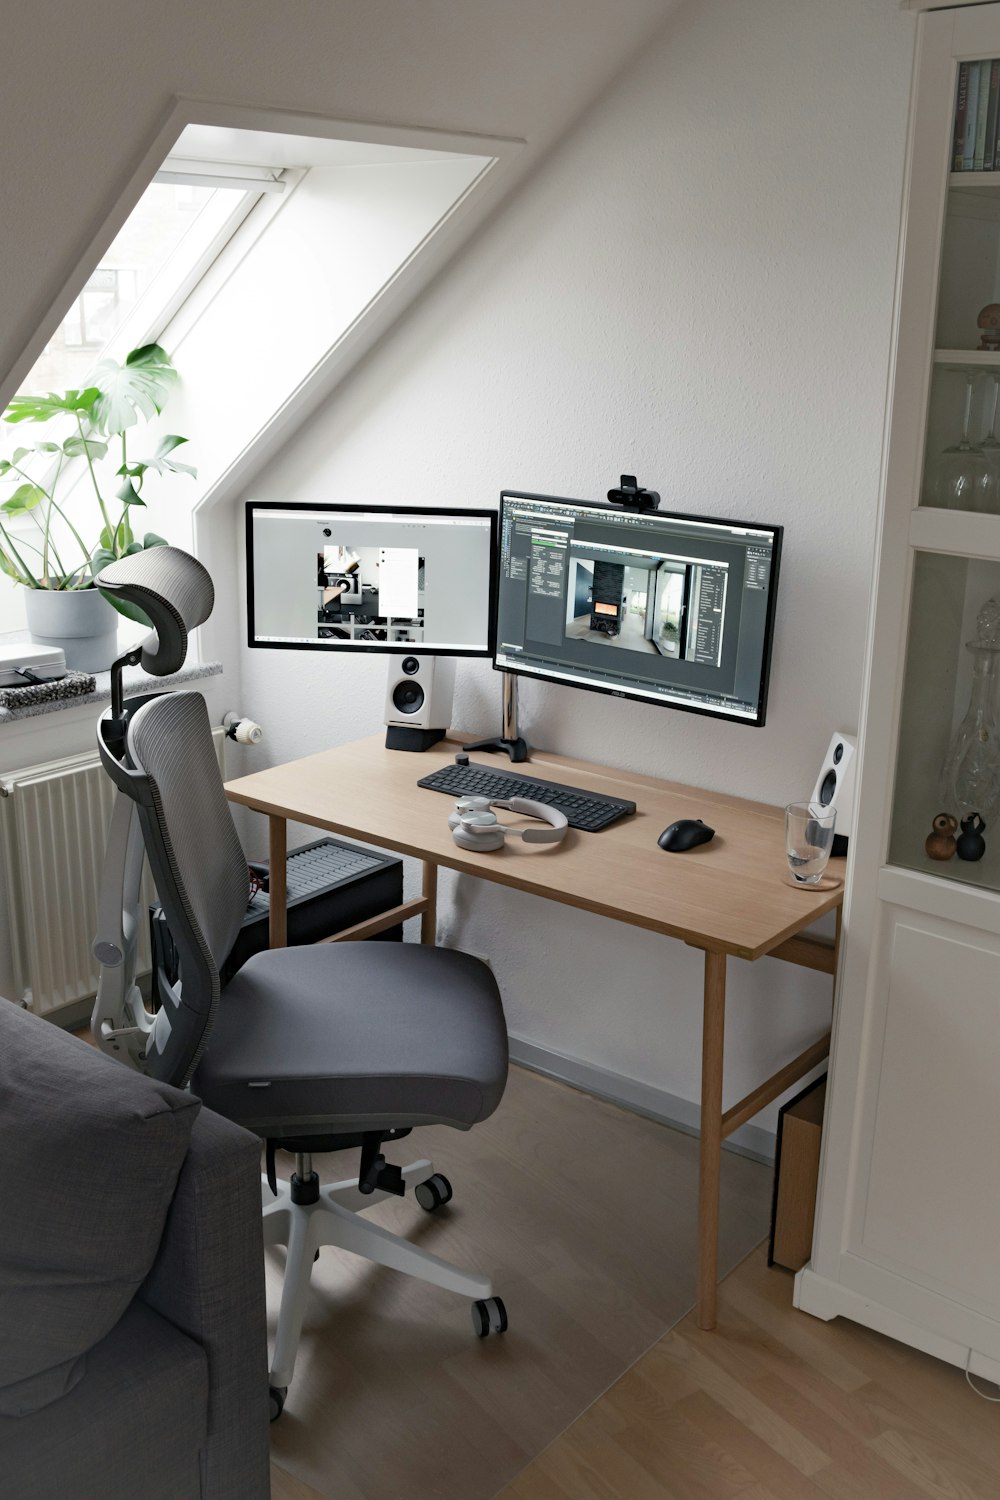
197 862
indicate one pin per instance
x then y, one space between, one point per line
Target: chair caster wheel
433 1193
489 1314
276 1395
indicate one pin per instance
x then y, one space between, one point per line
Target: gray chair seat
348 1037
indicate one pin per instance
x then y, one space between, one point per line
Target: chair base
334 1219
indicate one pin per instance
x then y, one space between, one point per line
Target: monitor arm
508 738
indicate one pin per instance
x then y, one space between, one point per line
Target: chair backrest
197 862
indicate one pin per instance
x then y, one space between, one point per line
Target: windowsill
134 679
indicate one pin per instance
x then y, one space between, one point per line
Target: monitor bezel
376 648
540 675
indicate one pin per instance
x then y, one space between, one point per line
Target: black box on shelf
331 885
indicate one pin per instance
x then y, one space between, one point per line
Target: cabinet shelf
959 533
968 359
975 182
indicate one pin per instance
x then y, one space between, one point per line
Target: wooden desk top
728 895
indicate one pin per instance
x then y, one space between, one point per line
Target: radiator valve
243 731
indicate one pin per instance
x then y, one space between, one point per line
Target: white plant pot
81 621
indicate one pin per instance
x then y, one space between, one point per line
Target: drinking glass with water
808 840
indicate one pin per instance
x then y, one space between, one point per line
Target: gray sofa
133 1350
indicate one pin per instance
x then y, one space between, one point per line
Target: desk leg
713 1037
428 922
277 891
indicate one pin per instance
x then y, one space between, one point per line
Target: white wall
696 287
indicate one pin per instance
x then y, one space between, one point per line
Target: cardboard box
796 1175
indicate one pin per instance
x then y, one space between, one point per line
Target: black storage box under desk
331 885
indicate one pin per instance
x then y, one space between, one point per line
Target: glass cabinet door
962 454
946 795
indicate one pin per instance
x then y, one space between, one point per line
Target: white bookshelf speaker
418 694
835 785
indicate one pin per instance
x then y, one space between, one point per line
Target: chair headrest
173 590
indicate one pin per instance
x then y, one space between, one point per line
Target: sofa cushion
91 1154
136 1427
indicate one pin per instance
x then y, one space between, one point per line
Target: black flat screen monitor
370 578
669 609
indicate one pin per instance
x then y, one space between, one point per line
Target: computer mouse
685 834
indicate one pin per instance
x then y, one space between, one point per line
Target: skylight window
178 227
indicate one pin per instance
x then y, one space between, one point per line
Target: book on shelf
976 138
971 119
993 98
982 113
961 105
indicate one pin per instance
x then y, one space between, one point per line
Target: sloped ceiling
86 89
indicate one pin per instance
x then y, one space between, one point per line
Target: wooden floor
774 1405
585 1215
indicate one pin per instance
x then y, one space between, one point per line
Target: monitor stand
508 739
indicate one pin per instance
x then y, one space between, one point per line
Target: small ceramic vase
970 843
940 842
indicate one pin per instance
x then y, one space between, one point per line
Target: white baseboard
641 1098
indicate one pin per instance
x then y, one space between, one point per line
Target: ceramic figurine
970 843
988 323
941 841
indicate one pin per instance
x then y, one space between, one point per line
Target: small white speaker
835 786
418 694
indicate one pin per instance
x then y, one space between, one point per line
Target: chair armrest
208 1280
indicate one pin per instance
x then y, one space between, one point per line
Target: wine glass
961 477
990 447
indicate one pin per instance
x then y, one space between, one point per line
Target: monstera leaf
138 388
44 408
24 498
161 462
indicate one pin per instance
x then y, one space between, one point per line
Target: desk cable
972 1386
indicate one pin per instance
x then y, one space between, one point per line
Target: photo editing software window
343 576
668 609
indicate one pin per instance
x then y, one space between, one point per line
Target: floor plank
285 1486
775 1405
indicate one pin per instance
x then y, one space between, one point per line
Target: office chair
314 1048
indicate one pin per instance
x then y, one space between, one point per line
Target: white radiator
53 826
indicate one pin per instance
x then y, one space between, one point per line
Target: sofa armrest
208 1280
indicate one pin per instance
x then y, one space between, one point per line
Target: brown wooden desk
726 898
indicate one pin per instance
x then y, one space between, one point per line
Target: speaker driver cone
408 697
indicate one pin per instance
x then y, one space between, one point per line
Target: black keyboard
589 810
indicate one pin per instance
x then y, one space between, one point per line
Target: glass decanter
970 779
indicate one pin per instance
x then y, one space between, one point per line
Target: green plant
121 395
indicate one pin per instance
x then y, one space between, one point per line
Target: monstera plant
56 555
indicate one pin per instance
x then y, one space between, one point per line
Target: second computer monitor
371 578
670 609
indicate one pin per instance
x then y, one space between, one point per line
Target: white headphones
474 826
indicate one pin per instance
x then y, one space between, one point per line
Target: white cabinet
907 1236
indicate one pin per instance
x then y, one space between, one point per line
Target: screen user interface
668 609
356 577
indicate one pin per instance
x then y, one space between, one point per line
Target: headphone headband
474 826
550 815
